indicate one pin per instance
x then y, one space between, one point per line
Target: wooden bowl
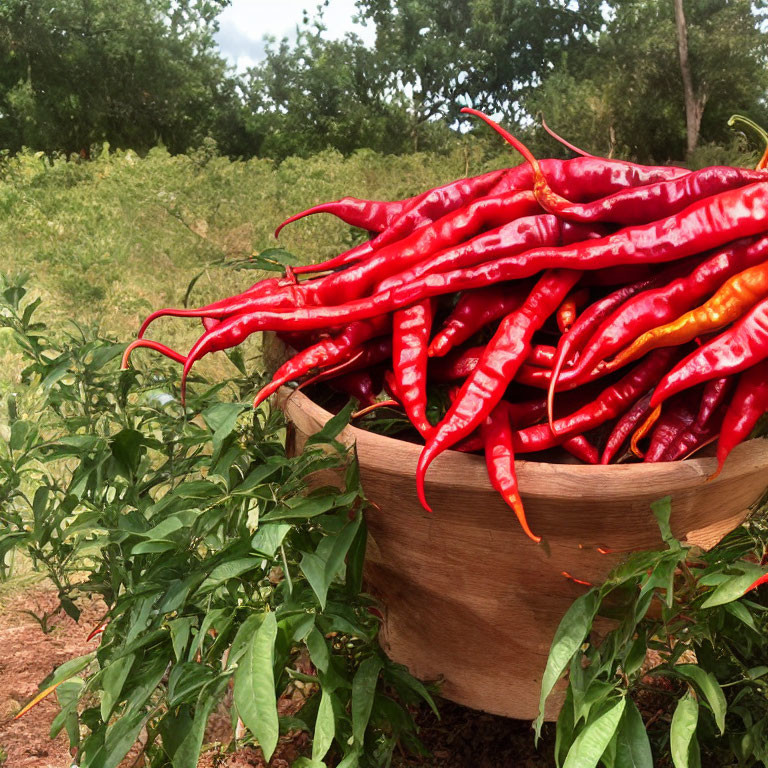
468 599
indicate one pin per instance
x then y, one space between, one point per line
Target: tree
637 96
488 54
77 72
319 93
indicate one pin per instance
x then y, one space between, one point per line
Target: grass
109 240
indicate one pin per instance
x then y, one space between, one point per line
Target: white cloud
244 24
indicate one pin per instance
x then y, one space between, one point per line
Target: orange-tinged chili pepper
735 297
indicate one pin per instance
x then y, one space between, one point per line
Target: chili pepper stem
380 404
566 144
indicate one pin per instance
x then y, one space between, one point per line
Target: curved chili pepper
496 432
582 449
435 204
734 297
325 353
609 404
473 311
566 312
373 215
462 363
449 231
652 307
749 403
707 424
624 428
591 319
501 359
561 140
411 328
352 256
518 236
369 354
636 205
587 178
149 344
740 347
674 421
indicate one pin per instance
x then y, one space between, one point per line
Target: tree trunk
694 104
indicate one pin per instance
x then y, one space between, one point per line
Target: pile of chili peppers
590 305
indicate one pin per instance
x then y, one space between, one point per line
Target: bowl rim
747 457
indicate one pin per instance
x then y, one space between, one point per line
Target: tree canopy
655 80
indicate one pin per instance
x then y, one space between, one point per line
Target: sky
244 24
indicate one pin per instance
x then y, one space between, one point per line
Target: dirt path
461 739
27 655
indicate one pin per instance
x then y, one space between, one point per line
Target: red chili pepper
674 421
325 353
500 459
154 345
582 449
373 215
743 345
587 178
371 353
411 328
461 363
352 256
609 404
748 404
473 311
519 236
636 205
501 359
358 384
435 204
655 307
624 428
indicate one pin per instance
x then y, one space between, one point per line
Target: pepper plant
224 580
688 642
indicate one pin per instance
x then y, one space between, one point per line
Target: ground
462 738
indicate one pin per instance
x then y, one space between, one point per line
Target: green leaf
571 633
740 611
662 511
318 649
363 690
333 427
255 687
185 679
322 566
221 419
735 585
707 684
180 631
113 679
683 729
325 727
269 537
633 748
229 570
589 745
